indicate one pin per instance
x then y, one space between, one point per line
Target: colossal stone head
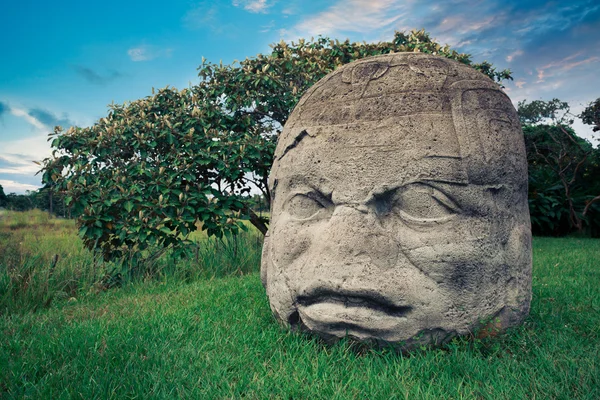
399 205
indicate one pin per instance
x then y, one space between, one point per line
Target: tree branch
589 203
256 220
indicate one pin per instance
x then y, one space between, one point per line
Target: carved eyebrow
434 183
315 194
295 182
303 133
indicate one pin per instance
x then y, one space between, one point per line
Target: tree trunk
256 221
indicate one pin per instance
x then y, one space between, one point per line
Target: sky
64 62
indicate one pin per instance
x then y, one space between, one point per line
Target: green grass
43 262
216 338
29 279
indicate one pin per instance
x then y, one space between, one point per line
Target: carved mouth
349 300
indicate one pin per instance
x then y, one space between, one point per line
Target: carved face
400 228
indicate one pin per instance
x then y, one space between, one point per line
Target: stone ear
347 75
381 70
518 256
265 257
517 245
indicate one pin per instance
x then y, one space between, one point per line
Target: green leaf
83 231
128 206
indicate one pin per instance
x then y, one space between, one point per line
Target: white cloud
461 44
18 112
479 25
514 54
288 11
460 29
201 16
451 23
362 16
16 187
17 165
268 27
541 74
17 159
137 54
254 6
561 66
31 148
146 53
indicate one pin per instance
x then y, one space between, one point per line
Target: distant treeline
42 199
46 200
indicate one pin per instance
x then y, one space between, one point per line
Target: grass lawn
216 338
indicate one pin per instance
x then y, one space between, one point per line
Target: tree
144 175
46 200
3 198
562 168
148 172
20 202
591 115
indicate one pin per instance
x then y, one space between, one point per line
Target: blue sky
64 62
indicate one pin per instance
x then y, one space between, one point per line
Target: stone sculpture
399 210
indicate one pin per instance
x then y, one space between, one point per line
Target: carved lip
353 299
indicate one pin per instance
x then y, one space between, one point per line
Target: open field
211 335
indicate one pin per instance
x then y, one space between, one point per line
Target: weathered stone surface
399 207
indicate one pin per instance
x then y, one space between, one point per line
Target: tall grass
43 261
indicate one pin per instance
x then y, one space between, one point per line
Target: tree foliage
591 115
146 175
553 111
563 170
3 198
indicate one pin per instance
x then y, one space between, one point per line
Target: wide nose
355 237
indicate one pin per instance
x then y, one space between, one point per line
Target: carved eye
303 206
424 204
